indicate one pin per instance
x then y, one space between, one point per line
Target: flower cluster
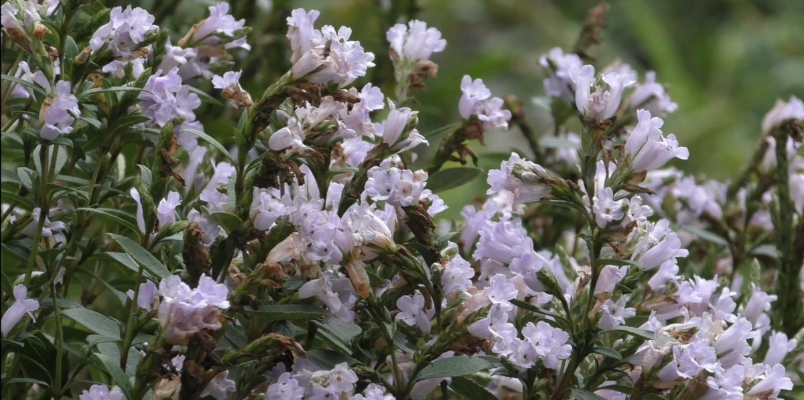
300 250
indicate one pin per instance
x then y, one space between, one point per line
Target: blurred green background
723 61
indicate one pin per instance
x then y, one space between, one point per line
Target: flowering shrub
308 261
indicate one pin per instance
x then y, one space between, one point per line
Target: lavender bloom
49 229
301 31
657 245
651 96
219 22
398 187
476 100
140 215
550 343
783 111
342 379
615 313
603 103
124 32
184 312
61 113
24 73
560 84
18 309
412 312
219 387
417 43
457 277
525 180
778 348
474 92
329 56
286 388
101 392
166 210
648 147
146 296
267 207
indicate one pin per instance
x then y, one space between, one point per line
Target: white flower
286 388
124 32
331 57
18 309
457 276
61 113
412 312
219 387
166 210
101 392
416 44
525 180
290 137
49 229
615 313
146 296
342 379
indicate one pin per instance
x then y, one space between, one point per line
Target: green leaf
142 256
705 235
205 98
442 130
453 366
469 389
114 89
581 394
127 121
328 359
119 377
36 88
339 335
229 222
635 332
96 322
146 176
61 158
26 177
125 260
608 352
214 143
446 179
27 381
289 312
122 218
619 263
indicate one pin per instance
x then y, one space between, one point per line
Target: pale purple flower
524 179
215 199
61 113
101 392
503 242
778 348
550 343
286 388
726 384
732 346
501 291
230 78
49 229
124 32
689 360
266 207
140 216
166 210
495 327
412 312
184 312
394 127
657 245
457 276
290 137
342 379
117 68
18 309
176 56
301 31
159 101
24 72
773 381
492 114
219 22
609 276
607 209
331 56
668 271
783 111
146 296
324 288
209 227
417 43
603 103
614 313
321 393
473 93
652 96
648 147
560 84
219 387
398 187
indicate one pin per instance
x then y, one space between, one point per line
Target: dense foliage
144 259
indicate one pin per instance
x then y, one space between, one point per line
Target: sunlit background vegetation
724 61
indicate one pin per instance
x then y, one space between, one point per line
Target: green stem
57 387
132 320
43 213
